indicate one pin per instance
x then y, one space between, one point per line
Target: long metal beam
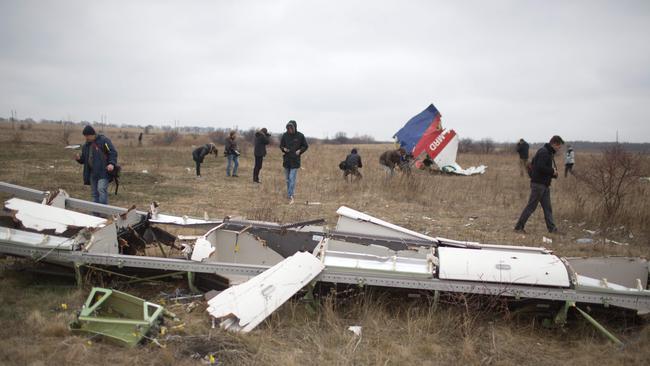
628 300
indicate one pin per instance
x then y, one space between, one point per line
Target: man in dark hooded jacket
262 138
522 150
293 144
99 158
543 171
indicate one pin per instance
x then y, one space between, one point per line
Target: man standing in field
99 158
261 140
543 171
569 161
293 144
522 149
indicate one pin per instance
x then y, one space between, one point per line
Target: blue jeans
231 159
292 176
99 190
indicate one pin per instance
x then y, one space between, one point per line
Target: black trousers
258 166
198 168
539 193
568 168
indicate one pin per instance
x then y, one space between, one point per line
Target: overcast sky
499 69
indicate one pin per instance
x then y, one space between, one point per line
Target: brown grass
396 329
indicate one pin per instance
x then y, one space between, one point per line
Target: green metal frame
118 316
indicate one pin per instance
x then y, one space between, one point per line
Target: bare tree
612 176
465 145
486 146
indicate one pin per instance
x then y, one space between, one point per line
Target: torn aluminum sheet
502 266
338 254
358 222
229 246
41 217
242 308
94 234
117 316
56 199
625 271
20 237
424 135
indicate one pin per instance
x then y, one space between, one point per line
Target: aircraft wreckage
263 264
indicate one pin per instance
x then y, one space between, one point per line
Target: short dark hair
354 151
557 140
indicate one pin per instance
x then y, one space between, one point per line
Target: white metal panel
494 246
37 240
245 306
41 217
352 221
502 266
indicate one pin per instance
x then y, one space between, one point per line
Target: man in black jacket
99 158
200 153
522 149
293 144
261 140
543 171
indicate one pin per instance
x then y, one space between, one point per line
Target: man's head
521 141
291 127
264 131
89 133
233 134
354 151
556 142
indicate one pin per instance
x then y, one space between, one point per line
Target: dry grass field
397 329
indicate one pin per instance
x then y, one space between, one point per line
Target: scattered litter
585 241
188 169
312 203
590 232
191 306
145 171
472 218
645 179
51 166
607 241
546 240
73 147
356 329
468 225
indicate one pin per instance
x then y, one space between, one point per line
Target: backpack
343 165
113 176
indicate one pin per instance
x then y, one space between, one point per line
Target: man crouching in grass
99 158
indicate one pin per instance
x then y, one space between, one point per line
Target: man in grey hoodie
293 144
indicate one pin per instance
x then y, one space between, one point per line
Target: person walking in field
293 144
232 153
522 150
262 138
351 166
200 153
99 158
569 161
543 171
391 159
